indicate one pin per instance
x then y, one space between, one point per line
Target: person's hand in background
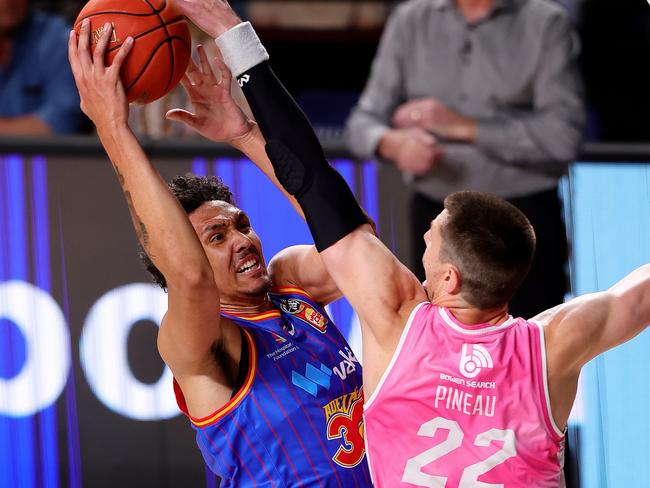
412 149
431 115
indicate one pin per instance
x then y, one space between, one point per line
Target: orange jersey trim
296 291
269 314
236 400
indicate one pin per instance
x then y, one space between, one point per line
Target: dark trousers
546 283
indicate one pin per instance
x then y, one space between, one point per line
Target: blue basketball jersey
297 419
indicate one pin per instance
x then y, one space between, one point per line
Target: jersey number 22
413 471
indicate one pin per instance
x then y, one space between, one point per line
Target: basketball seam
117 12
153 9
142 34
169 43
153 53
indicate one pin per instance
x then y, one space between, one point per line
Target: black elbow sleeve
329 205
298 160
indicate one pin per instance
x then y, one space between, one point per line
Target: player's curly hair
191 191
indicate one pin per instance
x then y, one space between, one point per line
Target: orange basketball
161 48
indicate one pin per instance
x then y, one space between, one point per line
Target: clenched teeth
247 266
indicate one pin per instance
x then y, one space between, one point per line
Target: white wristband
241 48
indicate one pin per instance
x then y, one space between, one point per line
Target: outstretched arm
368 274
379 287
592 324
587 326
191 326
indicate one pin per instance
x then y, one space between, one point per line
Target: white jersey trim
547 394
396 354
444 313
365 443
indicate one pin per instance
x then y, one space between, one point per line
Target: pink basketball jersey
464 406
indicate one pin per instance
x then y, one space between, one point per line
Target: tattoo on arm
119 175
140 228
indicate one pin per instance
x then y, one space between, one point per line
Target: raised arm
581 329
372 279
191 327
592 324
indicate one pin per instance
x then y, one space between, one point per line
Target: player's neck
469 315
247 307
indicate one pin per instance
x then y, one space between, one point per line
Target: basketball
161 48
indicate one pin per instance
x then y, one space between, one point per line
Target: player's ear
452 280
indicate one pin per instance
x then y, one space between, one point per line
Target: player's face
433 268
234 251
12 13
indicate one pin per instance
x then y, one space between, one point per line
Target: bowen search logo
473 358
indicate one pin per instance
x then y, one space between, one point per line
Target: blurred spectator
616 47
317 15
481 95
37 93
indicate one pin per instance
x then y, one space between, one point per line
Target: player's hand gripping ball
161 48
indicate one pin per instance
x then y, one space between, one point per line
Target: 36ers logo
305 312
345 422
473 358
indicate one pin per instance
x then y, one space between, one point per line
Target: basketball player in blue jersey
268 382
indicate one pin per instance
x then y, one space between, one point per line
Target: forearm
253 146
161 224
297 157
552 135
24 125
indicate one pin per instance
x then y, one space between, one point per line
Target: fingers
186 83
192 73
426 138
206 69
181 115
400 118
82 46
73 55
116 65
226 74
100 48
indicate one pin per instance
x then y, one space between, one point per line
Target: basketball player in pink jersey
458 392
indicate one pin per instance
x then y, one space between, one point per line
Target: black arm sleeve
300 165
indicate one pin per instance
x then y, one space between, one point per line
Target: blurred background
85 400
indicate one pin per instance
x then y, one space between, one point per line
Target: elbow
193 279
351 140
567 146
566 135
198 278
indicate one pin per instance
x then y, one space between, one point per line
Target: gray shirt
514 71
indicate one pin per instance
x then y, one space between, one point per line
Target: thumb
425 138
180 115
